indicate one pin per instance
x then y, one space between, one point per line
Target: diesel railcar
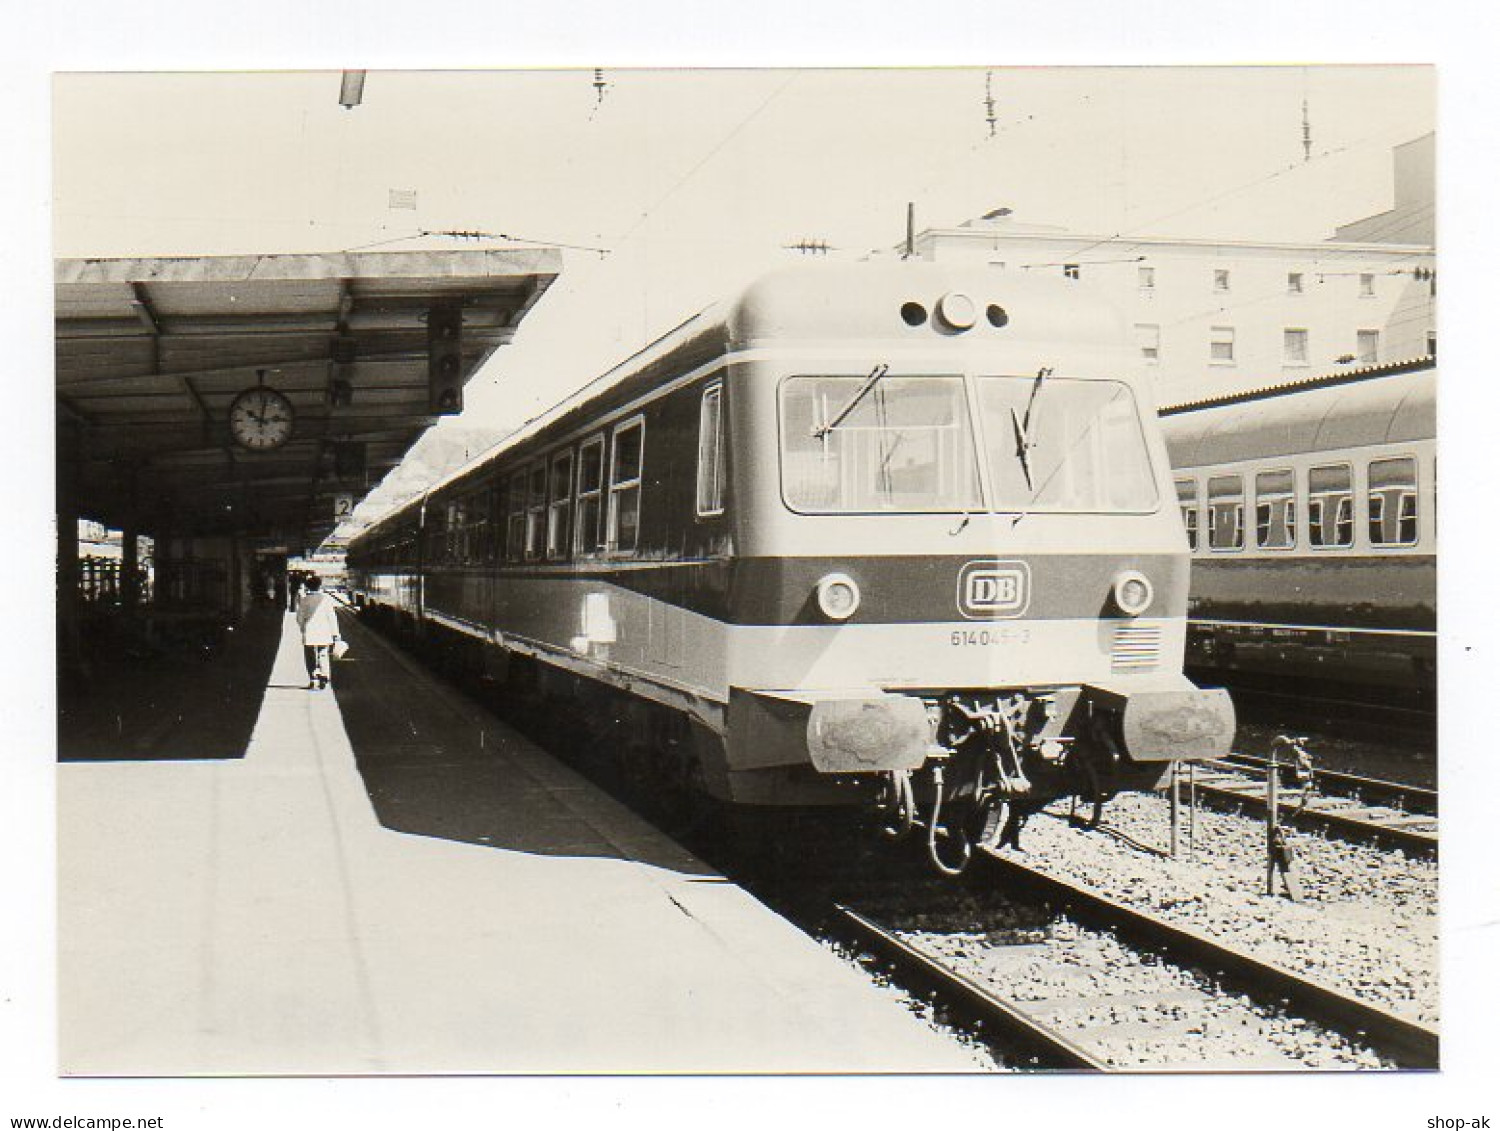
1335 579
887 529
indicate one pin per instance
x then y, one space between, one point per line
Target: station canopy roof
152 352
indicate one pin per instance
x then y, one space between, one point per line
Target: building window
1294 282
1148 338
625 487
1330 506
1276 510
1226 513
1367 286
1070 270
711 452
1393 502
1147 276
560 505
1294 347
1187 503
1221 279
590 491
1221 345
1367 347
1431 343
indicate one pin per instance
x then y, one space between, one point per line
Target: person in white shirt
320 628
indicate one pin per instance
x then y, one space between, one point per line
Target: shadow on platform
436 766
184 703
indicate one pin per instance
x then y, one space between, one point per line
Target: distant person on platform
320 628
293 585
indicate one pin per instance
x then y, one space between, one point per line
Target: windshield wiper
1024 440
875 375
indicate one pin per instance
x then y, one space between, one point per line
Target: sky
688 182
693 181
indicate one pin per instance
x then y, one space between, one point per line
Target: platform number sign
343 506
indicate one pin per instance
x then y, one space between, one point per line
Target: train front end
959 569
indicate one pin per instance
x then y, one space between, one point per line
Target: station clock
261 419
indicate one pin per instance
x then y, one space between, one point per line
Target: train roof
864 301
1384 405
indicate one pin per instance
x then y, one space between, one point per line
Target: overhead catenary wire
705 159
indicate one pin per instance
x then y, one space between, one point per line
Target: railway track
1389 814
1132 992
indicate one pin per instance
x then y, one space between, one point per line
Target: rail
1409 1044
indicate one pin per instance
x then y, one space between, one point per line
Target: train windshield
1065 444
877 443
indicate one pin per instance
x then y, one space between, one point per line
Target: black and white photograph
691 577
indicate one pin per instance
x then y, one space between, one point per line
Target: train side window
560 505
1276 509
1187 503
1330 506
536 508
515 523
1393 502
625 487
590 491
711 452
1226 513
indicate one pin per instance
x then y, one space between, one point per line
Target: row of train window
1326 511
574 502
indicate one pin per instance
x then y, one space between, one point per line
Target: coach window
494 502
1330 506
625 487
1393 502
1276 510
536 508
1226 513
590 490
1187 503
515 523
560 505
711 452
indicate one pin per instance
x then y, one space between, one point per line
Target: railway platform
385 879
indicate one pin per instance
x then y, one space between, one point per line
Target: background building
1219 316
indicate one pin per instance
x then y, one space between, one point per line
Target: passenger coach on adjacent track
1335 578
882 525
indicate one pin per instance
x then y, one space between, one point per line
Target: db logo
989 590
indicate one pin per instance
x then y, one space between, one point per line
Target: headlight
838 596
956 310
1133 593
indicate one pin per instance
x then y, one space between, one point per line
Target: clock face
260 419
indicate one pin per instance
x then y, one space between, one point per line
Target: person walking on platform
320 628
293 584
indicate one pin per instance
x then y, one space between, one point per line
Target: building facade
1216 317
1211 318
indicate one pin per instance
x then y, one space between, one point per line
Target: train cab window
1330 506
590 491
560 505
1393 502
857 444
625 487
1187 503
1276 509
711 452
536 509
1226 513
1064 444
515 523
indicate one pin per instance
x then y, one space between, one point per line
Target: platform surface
388 880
